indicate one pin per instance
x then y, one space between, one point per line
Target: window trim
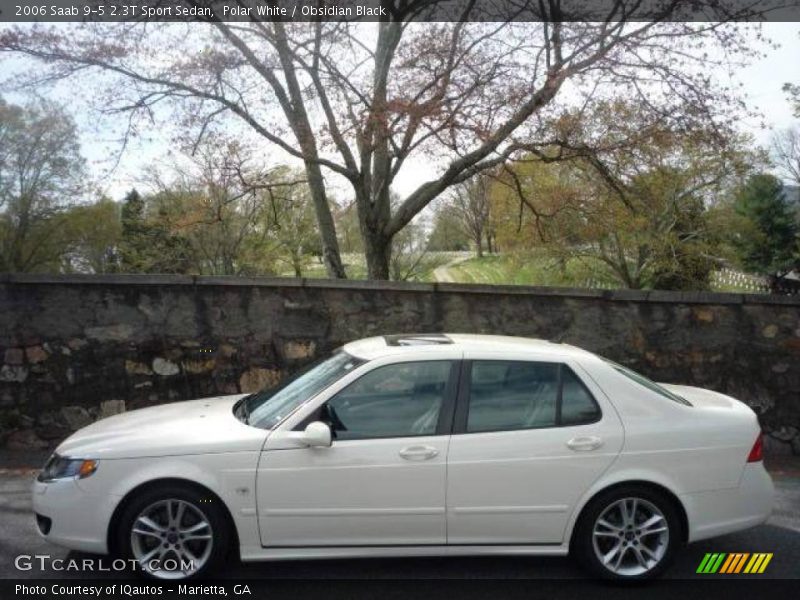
462 405
586 389
444 425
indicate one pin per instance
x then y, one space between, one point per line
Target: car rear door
530 437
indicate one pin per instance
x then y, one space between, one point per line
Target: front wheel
174 532
628 533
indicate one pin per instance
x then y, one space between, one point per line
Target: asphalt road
781 536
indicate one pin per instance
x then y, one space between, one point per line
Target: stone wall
76 348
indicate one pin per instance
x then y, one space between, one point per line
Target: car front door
529 439
383 479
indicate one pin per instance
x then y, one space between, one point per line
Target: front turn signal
87 468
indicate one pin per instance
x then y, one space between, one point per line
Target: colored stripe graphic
703 563
734 563
758 563
764 564
721 562
753 565
717 564
729 562
711 562
741 562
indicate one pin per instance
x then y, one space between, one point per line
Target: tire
643 550
174 532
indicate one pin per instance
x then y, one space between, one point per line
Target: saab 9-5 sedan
416 445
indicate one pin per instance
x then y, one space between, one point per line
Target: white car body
500 492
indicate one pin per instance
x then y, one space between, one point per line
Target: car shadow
783 542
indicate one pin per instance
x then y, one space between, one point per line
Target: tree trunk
479 246
378 253
301 125
373 188
327 230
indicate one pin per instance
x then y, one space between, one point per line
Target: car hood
190 427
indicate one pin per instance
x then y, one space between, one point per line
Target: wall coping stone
619 295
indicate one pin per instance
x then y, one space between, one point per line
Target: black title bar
403 10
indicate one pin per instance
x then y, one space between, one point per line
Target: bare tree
290 220
793 91
360 100
202 199
410 258
237 215
471 204
637 209
785 148
40 175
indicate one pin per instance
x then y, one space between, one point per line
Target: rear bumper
724 511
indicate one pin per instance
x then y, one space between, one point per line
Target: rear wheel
628 533
174 532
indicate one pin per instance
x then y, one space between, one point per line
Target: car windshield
650 385
268 407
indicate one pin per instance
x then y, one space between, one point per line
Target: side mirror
317 434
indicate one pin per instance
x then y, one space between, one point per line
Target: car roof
433 344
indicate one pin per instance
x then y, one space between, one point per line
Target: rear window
518 395
647 383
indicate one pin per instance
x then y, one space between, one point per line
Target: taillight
757 453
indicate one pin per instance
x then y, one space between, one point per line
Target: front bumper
724 511
77 520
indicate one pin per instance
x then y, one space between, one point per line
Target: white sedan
416 445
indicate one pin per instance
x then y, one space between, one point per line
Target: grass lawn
538 269
356 266
531 269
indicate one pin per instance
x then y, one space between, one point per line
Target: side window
577 403
506 396
399 400
512 395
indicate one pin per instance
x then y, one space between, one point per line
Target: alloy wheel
630 537
171 539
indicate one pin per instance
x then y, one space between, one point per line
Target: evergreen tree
770 247
148 245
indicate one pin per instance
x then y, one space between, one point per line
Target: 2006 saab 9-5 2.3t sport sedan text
416 445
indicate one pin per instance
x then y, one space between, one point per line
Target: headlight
60 467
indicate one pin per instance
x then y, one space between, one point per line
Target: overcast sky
762 82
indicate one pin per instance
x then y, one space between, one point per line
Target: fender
612 478
231 476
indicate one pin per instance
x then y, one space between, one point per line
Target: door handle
585 444
418 452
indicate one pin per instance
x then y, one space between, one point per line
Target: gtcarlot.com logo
44 562
735 562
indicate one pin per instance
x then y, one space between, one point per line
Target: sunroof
416 339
